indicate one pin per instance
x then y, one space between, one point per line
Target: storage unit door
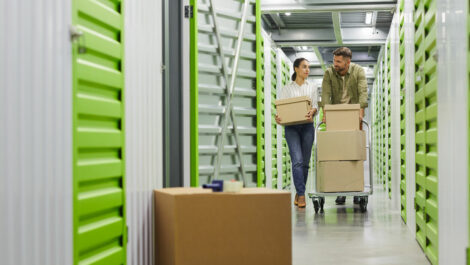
98 133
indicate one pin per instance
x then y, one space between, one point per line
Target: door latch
77 35
188 11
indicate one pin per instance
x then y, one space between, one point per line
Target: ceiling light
368 18
287 14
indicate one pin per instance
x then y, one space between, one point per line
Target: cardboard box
339 176
194 226
342 117
293 110
341 145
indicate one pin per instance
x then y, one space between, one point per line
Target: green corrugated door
287 168
402 113
426 128
209 98
260 124
98 133
389 121
384 124
273 74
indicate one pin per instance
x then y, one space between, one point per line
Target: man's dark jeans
300 140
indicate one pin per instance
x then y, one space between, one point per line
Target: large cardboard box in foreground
342 117
293 110
339 176
341 145
194 226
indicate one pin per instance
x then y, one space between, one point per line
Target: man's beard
339 70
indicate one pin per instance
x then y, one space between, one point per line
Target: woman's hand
278 120
311 113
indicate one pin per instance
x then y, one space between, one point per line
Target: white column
452 102
395 111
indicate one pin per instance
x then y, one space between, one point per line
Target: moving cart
318 198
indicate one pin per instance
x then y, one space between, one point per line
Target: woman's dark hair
297 63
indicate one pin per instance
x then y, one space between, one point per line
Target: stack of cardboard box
341 150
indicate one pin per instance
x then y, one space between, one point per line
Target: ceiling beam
337 27
374 19
319 57
318 8
278 21
326 37
329 43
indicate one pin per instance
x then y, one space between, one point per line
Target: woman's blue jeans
300 140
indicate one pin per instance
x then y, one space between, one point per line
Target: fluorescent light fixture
368 18
287 14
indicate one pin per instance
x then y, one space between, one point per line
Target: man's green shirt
356 84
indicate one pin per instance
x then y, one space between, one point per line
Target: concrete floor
344 235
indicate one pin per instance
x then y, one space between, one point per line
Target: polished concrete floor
344 235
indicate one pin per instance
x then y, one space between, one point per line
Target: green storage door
240 155
389 121
402 113
98 133
426 128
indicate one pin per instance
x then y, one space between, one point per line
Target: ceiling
315 28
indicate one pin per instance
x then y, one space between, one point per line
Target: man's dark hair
343 51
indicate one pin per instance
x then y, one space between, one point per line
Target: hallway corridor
344 235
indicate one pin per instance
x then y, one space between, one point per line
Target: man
344 83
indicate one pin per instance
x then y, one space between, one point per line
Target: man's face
341 63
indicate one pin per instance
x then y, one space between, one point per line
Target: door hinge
162 68
188 11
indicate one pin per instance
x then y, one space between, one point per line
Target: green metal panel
98 134
209 94
274 171
260 130
402 115
287 167
194 145
426 128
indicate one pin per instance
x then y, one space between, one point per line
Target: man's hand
361 117
278 120
324 116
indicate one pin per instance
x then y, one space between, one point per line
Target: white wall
144 168
35 132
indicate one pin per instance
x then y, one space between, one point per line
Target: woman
300 137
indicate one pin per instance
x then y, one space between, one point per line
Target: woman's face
303 70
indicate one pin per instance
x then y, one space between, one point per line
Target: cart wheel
316 205
363 204
322 203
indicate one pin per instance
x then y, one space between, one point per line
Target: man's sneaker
301 203
296 200
340 200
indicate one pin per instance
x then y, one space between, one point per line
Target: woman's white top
293 90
